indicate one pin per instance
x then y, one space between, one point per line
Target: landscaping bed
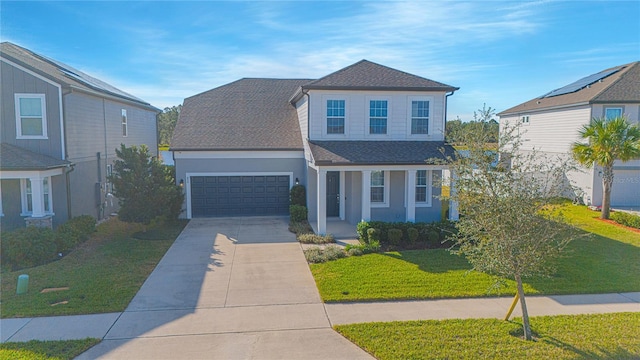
599 336
45 350
102 275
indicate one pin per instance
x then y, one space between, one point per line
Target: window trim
43 103
385 191
125 123
430 119
325 123
24 199
367 122
525 120
429 186
604 110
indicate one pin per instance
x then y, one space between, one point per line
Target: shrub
626 219
298 196
300 228
316 239
74 232
85 224
412 234
297 213
373 234
394 236
433 238
360 249
362 228
28 247
319 255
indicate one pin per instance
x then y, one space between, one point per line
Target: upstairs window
524 119
335 116
420 117
612 113
124 122
377 117
31 118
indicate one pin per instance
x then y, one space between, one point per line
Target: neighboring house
550 124
362 140
60 129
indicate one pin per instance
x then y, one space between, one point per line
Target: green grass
608 261
600 336
45 350
103 274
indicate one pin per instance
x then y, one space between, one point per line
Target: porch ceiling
380 152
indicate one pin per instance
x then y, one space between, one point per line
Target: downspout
69 169
446 101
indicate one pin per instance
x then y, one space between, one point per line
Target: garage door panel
239 195
626 188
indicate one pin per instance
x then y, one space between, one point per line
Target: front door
333 193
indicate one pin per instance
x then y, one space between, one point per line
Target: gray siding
14 80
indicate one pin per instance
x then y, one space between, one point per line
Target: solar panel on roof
582 83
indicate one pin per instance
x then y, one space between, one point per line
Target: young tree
145 188
505 227
608 141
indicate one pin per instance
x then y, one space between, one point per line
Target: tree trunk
607 183
525 313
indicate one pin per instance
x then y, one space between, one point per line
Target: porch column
37 197
342 196
322 201
366 195
453 205
411 195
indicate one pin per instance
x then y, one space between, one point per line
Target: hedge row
406 235
33 246
626 219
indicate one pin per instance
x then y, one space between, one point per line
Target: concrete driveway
228 288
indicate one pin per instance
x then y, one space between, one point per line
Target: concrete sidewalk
240 288
98 325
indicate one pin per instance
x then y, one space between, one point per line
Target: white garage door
626 188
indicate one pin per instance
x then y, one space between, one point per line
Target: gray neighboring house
550 124
364 140
60 129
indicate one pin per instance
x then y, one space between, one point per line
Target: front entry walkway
229 288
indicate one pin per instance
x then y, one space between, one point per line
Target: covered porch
394 181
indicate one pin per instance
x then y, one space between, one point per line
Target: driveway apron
228 288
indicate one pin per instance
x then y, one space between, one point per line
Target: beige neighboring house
550 124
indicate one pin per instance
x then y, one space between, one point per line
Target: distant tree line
482 119
166 123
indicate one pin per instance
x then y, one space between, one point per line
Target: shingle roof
248 114
62 74
620 87
367 75
379 152
16 158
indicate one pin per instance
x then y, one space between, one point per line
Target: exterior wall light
297 181
181 183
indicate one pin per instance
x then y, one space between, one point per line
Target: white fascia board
26 174
58 86
294 154
378 167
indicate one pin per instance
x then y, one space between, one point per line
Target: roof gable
366 75
61 73
620 84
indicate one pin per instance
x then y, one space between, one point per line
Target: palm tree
608 140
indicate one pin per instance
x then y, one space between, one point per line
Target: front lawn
599 336
607 261
102 275
45 350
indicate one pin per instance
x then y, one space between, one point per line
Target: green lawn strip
599 336
102 275
45 350
594 264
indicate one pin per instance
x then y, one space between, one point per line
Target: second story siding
17 83
397 115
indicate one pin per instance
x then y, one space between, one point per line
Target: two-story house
364 140
550 123
60 129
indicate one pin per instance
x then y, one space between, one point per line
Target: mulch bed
619 225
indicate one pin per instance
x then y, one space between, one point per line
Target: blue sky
499 53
